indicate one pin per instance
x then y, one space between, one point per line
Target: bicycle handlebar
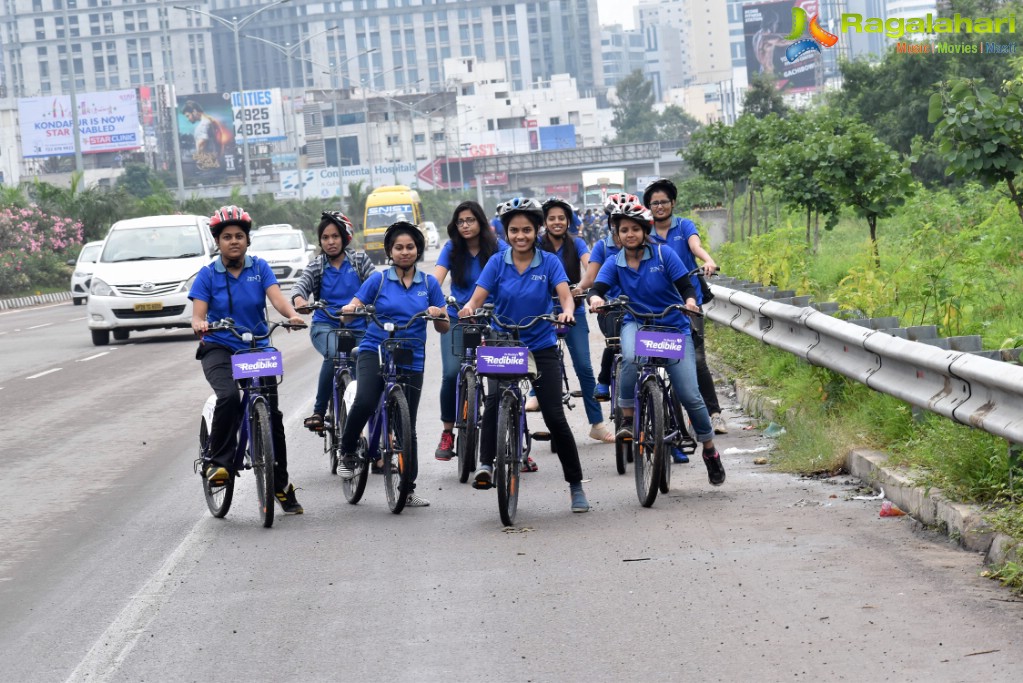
228 324
622 303
488 312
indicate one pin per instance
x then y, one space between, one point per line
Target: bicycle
468 396
623 447
344 375
659 421
507 361
390 425
251 368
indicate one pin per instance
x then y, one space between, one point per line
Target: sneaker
346 465
718 423
217 476
446 449
530 465
625 433
715 470
602 392
600 432
678 456
579 502
414 501
532 404
483 477
288 502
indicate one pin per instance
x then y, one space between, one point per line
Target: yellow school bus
386 205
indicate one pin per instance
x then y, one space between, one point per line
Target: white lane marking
74 320
36 327
114 645
44 372
81 360
2 333
35 308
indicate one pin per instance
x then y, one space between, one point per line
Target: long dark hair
460 248
569 255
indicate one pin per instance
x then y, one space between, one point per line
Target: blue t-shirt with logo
337 287
498 227
602 251
518 296
396 304
651 287
581 249
242 298
463 293
677 238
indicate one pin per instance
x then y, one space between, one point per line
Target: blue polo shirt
602 251
463 293
337 287
242 298
518 296
396 304
678 239
498 227
651 287
581 248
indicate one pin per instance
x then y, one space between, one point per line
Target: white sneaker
414 501
532 404
718 423
600 432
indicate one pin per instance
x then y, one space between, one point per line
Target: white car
284 248
432 238
84 266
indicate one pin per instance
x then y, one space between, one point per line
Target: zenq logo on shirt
541 278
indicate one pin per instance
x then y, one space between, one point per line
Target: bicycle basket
346 341
402 355
266 365
472 336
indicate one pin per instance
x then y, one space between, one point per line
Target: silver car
81 278
432 238
284 248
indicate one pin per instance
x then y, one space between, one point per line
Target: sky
616 12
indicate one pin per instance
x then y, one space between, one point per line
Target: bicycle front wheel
648 444
337 412
263 461
397 451
218 498
508 460
623 448
467 441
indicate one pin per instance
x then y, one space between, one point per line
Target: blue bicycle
468 394
256 370
390 425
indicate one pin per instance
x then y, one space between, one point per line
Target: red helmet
343 223
635 211
230 215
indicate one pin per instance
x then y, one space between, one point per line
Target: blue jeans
449 367
683 382
578 342
325 343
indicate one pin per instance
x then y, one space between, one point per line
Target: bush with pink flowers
33 248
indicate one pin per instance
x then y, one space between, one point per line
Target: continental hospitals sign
107 122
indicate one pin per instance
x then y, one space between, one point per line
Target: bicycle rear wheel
263 461
649 441
397 451
354 488
508 463
623 449
218 498
468 438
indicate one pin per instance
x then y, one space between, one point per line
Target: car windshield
152 244
276 242
90 253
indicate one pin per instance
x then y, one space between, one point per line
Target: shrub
33 245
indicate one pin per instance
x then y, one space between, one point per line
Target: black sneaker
288 502
715 470
446 449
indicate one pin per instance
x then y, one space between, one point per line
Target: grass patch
1010 575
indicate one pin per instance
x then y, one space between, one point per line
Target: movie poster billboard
209 155
767 27
107 122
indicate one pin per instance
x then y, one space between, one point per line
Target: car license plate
149 306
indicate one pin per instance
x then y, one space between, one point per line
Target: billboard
107 122
209 154
259 115
557 137
767 27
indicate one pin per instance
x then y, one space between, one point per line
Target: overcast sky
616 12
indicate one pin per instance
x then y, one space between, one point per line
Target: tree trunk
816 232
872 221
808 226
1017 198
765 210
752 210
742 218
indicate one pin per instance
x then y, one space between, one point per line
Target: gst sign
259 364
502 360
660 344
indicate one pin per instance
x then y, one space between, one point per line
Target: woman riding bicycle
574 255
236 286
471 244
333 278
654 278
523 281
397 294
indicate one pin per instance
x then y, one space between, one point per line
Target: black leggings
369 386
703 376
547 386
611 325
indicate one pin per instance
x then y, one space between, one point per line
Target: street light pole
365 112
168 70
75 125
235 25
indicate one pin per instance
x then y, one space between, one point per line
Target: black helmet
660 185
343 223
406 228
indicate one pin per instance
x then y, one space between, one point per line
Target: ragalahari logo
818 36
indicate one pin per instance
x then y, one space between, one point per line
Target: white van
143 275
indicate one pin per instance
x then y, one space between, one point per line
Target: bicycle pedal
541 436
576 394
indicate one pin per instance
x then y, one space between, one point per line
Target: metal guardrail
971 389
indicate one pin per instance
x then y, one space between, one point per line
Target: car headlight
80 273
100 288
187 286
299 259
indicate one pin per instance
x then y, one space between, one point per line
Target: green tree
675 124
138 180
634 118
762 98
980 134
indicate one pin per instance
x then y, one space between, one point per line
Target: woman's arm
199 310
567 314
283 306
440 272
441 326
699 252
590 275
475 301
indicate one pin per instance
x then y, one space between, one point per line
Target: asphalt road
113 570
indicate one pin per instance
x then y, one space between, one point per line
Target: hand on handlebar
437 312
566 318
199 327
295 322
596 303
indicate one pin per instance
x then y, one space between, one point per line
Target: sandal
600 432
314 423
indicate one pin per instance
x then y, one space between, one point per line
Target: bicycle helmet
524 205
570 212
343 223
405 228
660 185
618 200
229 215
636 212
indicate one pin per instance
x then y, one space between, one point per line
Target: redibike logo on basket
509 359
263 364
663 345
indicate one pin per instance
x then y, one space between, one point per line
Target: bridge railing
970 388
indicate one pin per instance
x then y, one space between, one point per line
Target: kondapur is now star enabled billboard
107 122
